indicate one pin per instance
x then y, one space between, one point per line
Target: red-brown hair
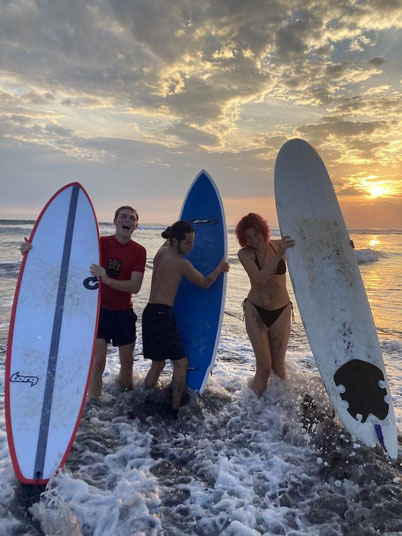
252 221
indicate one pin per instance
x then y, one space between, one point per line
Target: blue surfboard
199 312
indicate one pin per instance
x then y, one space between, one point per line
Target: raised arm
196 277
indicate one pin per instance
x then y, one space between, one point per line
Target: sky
132 98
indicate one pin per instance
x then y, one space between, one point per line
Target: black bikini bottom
268 316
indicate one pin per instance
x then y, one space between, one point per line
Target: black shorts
160 337
117 327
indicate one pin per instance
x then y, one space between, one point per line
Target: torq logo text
17 378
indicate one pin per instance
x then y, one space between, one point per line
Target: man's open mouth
126 227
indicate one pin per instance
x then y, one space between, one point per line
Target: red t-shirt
119 260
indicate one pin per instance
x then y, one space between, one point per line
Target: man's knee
99 361
154 373
126 355
158 365
181 364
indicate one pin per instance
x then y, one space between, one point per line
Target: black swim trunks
117 327
160 337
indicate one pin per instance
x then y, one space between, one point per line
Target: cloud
377 62
186 60
334 126
294 39
193 136
381 103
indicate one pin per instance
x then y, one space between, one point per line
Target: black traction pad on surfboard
362 390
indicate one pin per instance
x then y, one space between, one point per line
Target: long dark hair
178 230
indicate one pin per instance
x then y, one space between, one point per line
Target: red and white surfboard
52 336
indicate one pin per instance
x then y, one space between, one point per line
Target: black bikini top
280 269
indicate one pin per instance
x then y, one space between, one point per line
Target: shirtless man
161 339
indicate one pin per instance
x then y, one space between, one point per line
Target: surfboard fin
378 431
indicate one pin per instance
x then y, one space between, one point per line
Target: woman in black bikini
267 308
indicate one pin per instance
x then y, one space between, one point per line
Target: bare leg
180 367
95 382
258 335
153 374
126 366
279 337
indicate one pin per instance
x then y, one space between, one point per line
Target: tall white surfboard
52 335
331 297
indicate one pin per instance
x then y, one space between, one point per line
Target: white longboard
331 297
51 337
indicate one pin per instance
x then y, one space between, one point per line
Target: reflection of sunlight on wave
374 241
372 281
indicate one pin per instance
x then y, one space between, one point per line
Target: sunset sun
378 190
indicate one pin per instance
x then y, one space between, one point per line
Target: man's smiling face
126 222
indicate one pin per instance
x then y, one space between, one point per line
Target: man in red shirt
121 273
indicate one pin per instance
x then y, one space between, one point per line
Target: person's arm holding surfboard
132 285
259 276
196 277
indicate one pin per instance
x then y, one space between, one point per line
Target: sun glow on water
374 242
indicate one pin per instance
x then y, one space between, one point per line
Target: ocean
232 464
